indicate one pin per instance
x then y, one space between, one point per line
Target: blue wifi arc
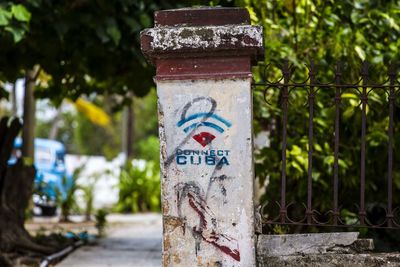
204 123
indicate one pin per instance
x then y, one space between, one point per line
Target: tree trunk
89 205
55 125
130 131
128 120
16 183
28 130
14 108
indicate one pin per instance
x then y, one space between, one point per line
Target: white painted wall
106 190
208 211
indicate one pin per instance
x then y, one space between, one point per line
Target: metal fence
312 88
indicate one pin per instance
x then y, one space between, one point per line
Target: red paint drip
199 207
192 203
234 253
204 138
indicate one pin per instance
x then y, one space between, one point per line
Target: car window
43 155
60 158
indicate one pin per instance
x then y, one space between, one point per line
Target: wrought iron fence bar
338 226
285 99
364 98
338 75
311 98
319 85
333 217
391 99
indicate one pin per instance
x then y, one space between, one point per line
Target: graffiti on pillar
190 123
211 157
203 138
192 199
192 195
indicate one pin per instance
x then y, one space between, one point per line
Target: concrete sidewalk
132 240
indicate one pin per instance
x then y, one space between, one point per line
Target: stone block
300 244
332 260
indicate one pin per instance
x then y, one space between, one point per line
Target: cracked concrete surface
132 240
300 244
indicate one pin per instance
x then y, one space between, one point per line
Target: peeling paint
205 37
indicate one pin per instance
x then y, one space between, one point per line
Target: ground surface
48 225
132 240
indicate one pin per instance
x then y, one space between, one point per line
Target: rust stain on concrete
167 243
166 248
166 260
173 222
177 260
165 207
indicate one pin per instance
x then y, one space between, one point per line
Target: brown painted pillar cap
202 43
203 16
202 32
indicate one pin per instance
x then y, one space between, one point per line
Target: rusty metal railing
312 86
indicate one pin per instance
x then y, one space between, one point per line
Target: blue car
51 181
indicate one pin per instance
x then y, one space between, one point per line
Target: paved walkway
132 240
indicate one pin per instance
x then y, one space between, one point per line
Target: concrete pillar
203 61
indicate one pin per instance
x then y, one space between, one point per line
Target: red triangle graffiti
204 138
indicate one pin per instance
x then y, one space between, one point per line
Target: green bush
139 187
69 203
149 148
101 221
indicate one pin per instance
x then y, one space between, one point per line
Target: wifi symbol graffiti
204 138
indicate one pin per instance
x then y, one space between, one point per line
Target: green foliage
326 31
14 20
69 203
88 194
280 229
92 48
149 148
86 144
20 13
139 187
75 130
145 110
66 130
146 143
101 221
83 47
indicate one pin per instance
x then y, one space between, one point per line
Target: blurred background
73 72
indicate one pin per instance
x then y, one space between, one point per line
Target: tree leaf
21 13
132 23
17 33
113 31
4 17
115 34
102 34
145 20
360 52
3 93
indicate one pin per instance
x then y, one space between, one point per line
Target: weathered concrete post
203 61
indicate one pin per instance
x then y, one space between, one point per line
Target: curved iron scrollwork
363 87
331 218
